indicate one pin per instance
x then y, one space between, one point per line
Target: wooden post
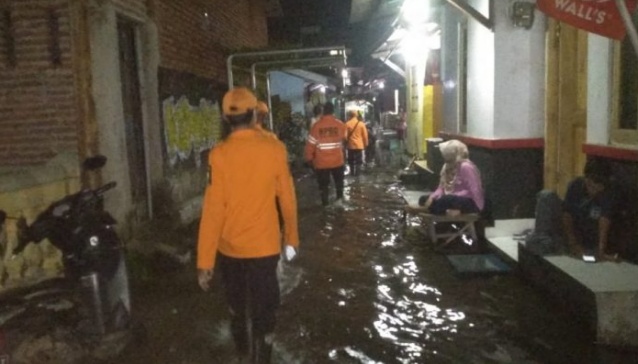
81 54
551 105
566 105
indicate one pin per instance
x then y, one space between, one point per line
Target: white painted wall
506 75
449 74
519 92
480 75
290 89
599 89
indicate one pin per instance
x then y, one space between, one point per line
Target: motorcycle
93 295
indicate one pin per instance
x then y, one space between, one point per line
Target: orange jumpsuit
239 217
358 134
259 127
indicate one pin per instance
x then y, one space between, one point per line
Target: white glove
290 253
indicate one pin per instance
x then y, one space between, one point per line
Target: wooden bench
466 221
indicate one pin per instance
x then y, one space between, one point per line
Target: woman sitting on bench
460 190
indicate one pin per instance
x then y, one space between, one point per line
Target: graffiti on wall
188 129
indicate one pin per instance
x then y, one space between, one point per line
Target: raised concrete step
604 294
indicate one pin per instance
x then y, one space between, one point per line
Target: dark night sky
327 23
331 16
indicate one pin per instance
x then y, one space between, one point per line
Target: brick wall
38 114
196 36
135 8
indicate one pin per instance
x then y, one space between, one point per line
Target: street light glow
416 11
414 46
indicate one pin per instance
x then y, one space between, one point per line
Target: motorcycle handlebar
106 187
18 249
23 240
24 229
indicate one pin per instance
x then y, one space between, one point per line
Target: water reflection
364 290
409 310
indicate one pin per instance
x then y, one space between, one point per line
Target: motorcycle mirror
95 162
3 216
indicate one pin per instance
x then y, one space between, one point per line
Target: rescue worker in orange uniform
357 136
324 152
262 113
239 226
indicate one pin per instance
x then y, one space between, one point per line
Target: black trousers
252 292
323 178
355 160
445 202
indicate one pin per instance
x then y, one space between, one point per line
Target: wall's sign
596 16
188 129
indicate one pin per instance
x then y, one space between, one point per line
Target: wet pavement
367 290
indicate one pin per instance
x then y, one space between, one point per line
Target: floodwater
364 289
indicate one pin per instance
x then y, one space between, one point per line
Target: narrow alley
365 290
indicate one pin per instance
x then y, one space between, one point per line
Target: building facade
139 81
534 103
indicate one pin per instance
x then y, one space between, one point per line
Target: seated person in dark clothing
460 190
587 212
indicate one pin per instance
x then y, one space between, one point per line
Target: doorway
133 116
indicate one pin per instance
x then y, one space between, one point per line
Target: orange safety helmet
262 108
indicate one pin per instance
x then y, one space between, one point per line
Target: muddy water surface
367 290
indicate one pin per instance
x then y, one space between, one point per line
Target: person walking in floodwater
357 141
248 172
324 152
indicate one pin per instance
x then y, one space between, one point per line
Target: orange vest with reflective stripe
324 147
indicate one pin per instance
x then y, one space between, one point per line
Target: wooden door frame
565 104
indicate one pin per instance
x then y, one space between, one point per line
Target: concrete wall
480 75
505 102
519 87
195 38
107 96
191 125
599 90
505 75
26 191
449 68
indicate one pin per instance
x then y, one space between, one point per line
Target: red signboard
596 16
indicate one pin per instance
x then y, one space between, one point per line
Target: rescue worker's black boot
261 350
240 337
356 169
324 198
